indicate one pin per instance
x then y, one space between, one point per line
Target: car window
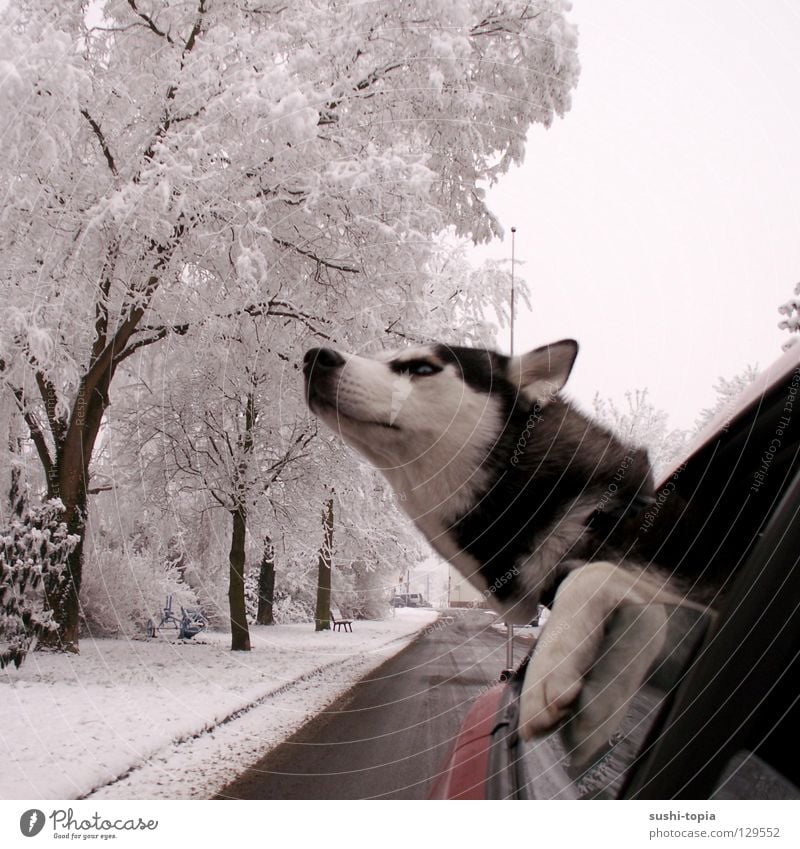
747 776
723 497
733 518
765 765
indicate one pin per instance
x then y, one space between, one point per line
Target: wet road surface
389 735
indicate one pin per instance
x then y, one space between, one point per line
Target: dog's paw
634 640
566 649
591 680
547 695
570 646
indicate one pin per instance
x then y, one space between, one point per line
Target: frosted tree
213 426
642 424
791 309
727 392
169 161
373 542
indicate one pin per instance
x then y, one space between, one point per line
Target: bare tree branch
329 116
502 24
286 309
167 118
107 359
335 264
409 337
150 22
101 304
133 347
291 455
112 166
198 24
35 429
58 425
274 307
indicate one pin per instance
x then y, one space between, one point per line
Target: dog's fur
517 489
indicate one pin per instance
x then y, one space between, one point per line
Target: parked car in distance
409 600
717 716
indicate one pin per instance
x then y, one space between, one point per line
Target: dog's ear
541 373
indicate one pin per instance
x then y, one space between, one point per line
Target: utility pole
508 671
513 261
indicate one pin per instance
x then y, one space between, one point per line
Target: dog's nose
321 359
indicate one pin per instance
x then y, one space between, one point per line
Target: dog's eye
417 368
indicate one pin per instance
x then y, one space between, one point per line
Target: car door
717 716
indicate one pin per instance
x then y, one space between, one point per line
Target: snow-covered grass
167 719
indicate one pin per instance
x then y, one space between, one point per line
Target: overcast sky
659 220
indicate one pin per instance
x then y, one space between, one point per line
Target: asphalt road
389 735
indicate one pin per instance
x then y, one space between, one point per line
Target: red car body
464 774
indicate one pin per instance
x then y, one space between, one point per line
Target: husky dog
513 486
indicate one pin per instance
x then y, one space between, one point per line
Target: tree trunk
68 479
322 617
240 634
17 498
64 598
266 584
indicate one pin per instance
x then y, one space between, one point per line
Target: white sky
659 220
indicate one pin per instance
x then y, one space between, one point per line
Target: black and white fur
512 485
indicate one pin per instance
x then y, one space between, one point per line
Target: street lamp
508 671
511 327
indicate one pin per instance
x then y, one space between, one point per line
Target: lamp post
513 260
508 671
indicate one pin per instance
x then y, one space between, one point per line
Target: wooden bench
337 621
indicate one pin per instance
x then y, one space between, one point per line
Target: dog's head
433 405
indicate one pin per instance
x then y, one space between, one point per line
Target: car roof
773 375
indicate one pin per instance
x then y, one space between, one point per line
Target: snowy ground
167 720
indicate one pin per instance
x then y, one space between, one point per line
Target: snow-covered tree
791 309
213 424
727 391
642 424
169 161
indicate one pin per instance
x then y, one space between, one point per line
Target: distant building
462 593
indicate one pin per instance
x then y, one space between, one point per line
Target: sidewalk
162 719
